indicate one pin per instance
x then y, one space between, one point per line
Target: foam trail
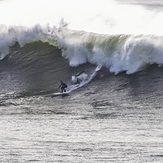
85 81
98 68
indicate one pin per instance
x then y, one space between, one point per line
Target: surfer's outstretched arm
80 73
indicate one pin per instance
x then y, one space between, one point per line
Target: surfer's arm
80 73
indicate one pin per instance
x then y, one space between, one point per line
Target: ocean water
114 114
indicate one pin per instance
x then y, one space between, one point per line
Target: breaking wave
129 53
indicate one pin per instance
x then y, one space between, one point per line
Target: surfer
77 79
63 86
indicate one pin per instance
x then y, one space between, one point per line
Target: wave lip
22 35
118 53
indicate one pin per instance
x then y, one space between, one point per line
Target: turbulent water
114 114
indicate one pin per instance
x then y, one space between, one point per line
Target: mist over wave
100 16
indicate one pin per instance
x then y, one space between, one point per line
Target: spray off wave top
100 16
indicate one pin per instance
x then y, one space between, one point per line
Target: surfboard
59 94
69 89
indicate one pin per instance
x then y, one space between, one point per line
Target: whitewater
109 53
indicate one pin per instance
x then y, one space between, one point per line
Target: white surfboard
59 93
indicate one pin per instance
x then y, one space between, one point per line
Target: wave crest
118 53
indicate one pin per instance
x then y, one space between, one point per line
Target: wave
129 53
118 53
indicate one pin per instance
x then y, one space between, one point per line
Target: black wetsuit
63 86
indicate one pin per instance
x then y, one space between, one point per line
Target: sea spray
100 16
